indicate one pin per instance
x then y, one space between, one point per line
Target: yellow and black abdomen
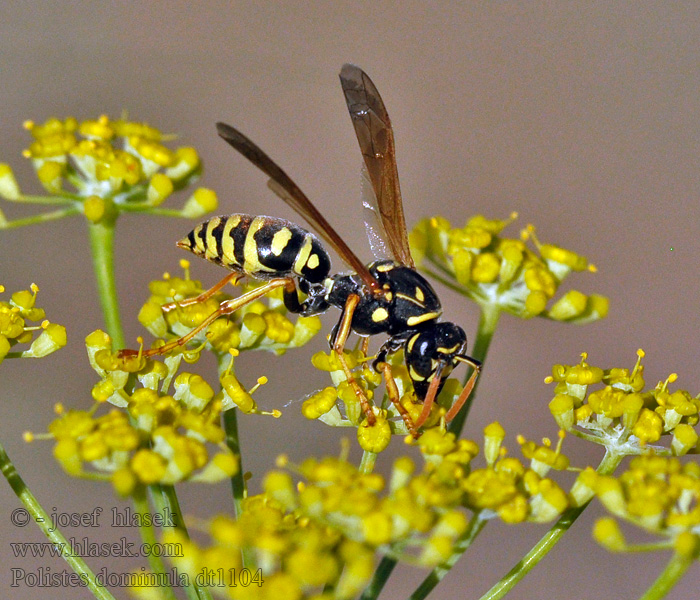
262 247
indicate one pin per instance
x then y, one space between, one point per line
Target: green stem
149 537
233 443
488 322
102 244
237 481
379 579
152 210
367 462
43 520
40 218
31 199
549 540
671 575
164 497
476 524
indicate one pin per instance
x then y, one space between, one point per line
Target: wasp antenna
469 360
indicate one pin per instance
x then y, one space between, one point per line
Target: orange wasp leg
225 308
235 277
339 347
435 384
364 345
466 392
393 393
429 400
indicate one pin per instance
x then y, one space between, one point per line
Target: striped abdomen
263 247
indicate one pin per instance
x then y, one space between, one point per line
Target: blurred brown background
583 117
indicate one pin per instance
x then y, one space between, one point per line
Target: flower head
659 494
173 310
101 167
23 323
506 273
166 430
619 413
338 405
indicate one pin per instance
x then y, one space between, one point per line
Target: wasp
387 296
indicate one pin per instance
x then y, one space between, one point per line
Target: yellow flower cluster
338 406
157 438
295 557
257 326
622 415
504 273
107 166
316 538
16 317
659 494
505 487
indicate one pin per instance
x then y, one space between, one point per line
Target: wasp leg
429 399
339 338
469 386
204 295
225 308
393 392
364 345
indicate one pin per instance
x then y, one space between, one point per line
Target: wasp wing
376 138
285 188
374 228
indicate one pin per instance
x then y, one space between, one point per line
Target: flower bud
9 189
684 439
222 466
374 438
4 347
608 534
200 203
50 175
186 161
494 434
94 208
51 339
159 188
319 403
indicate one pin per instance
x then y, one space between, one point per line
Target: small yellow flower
608 534
159 188
200 203
374 438
494 434
620 414
319 403
9 189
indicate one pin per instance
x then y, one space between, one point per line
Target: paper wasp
387 296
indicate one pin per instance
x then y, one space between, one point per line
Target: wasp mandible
386 296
